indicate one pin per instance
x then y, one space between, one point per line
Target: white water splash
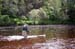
35 36
17 37
10 38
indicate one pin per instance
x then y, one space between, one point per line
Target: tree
20 7
0 6
16 10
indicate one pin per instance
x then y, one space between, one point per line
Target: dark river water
59 37
56 44
35 42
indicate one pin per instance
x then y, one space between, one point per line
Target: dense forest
33 12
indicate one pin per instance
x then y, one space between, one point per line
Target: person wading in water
25 30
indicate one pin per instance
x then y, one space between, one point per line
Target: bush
6 20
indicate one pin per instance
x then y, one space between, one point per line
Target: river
36 42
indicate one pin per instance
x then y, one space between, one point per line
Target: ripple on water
58 44
49 44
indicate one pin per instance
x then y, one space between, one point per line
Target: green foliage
6 20
57 10
17 12
12 11
54 11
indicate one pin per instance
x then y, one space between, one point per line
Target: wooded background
18 12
